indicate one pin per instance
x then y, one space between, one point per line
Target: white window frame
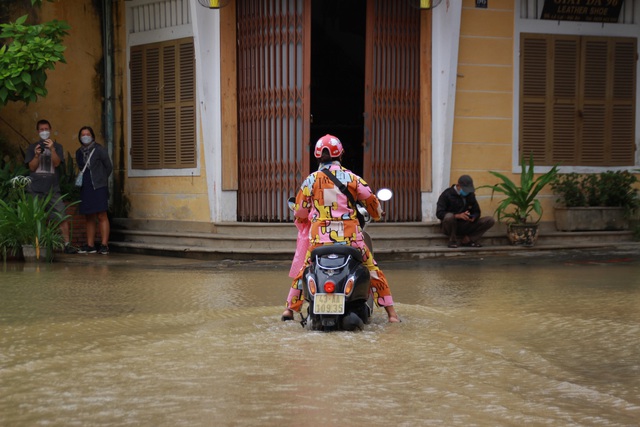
153 32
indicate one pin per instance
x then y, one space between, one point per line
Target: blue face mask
463 193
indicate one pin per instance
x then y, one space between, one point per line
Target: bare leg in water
391 313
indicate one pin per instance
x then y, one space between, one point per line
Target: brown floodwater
533 341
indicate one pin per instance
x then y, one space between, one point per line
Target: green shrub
27 52
29 220
606 189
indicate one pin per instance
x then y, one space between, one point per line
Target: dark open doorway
337 76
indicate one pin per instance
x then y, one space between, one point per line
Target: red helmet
330 143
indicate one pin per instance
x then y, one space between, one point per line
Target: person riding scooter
334 220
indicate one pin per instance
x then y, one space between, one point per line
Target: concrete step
277 241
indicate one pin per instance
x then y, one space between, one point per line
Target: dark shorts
93 201
56 202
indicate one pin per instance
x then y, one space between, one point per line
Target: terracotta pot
522 234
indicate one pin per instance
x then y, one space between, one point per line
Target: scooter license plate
328 304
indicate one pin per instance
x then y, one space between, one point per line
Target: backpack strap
341 187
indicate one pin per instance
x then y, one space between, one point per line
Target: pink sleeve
302 244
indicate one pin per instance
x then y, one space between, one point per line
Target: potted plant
29 224
517 209
592 202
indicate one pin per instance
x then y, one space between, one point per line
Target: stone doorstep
415 236
381 255
391 241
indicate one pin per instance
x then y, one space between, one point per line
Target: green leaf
9 85
26 77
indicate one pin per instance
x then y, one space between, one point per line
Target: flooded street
484 342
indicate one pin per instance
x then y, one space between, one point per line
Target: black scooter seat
337 249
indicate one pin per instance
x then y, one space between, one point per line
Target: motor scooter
337 285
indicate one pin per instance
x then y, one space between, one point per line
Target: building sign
582 10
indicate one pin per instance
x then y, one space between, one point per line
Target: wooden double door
311 67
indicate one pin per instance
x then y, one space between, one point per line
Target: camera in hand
43 146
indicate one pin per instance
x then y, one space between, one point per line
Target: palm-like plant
521 200
29 220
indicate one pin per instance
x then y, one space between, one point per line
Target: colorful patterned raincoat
334 221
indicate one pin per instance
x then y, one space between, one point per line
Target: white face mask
45 134
86 139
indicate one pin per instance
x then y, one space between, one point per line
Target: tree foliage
26 53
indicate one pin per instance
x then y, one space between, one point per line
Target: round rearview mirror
291 203
384 194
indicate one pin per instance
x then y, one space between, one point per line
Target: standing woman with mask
93 160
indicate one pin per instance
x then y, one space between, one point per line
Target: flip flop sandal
472 245
453 245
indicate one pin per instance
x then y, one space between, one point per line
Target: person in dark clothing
95 165
43 158
459 214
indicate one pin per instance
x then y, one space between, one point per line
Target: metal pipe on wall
108 108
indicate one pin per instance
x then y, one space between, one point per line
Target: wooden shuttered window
577 100
163 113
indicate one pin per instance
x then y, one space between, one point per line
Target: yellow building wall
74 99
483 134
166 198
173 198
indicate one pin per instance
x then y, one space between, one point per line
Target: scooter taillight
311 283
329 287
348 287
